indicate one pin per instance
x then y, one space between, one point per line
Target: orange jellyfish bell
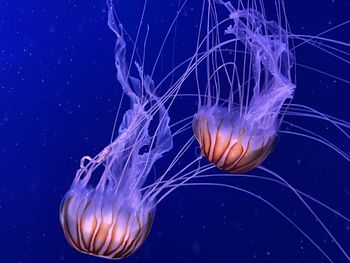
101 224
229 142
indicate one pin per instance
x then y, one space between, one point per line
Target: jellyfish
112 218
238 136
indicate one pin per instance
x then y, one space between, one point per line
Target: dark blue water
58 99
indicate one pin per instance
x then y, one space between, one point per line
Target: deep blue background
58 98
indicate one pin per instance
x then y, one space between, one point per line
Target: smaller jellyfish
113 218
239 133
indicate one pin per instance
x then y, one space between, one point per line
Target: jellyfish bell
103 224
238 136
231 143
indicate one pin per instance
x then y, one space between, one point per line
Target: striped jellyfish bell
104 225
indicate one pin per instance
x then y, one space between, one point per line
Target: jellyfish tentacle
258 197
312 212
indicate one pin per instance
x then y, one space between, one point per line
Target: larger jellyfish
113 218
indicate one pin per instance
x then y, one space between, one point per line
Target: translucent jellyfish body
113 218
238 136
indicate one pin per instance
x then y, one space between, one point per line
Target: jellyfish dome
238 136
